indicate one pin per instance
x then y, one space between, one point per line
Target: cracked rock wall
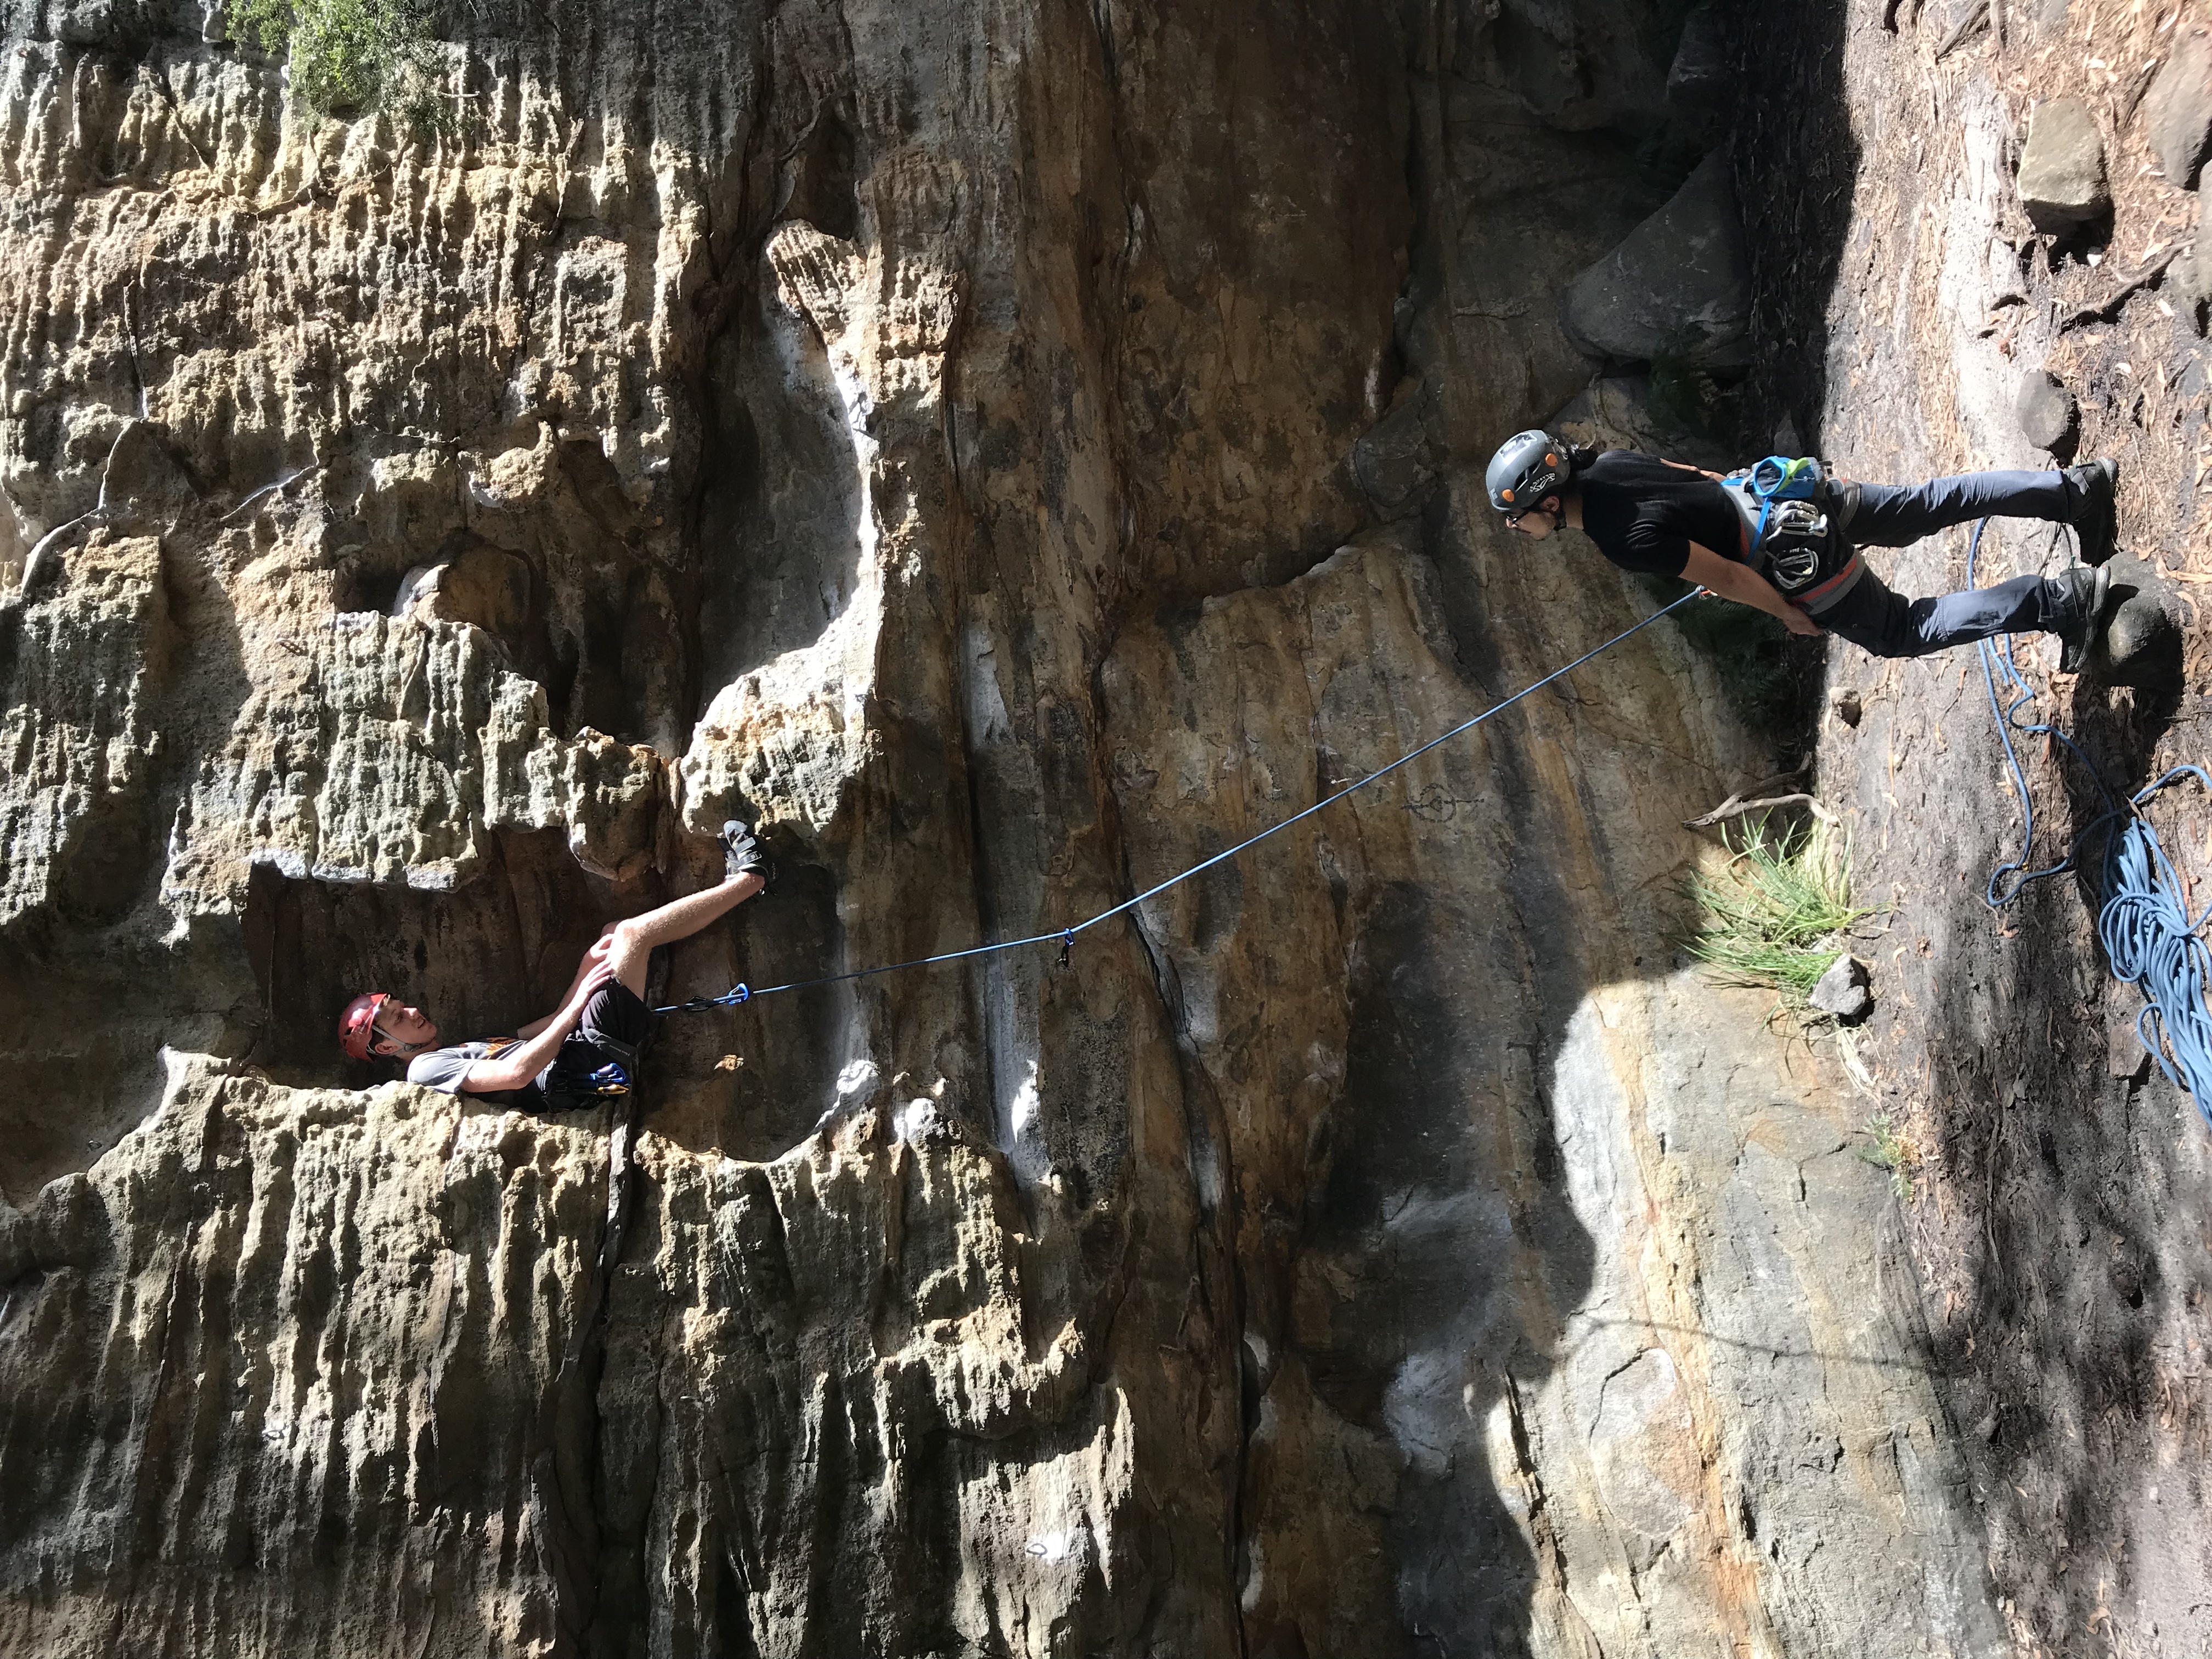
1015 451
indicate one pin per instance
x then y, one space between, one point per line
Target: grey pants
1890 625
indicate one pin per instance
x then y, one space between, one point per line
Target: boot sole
2104 518
2083 656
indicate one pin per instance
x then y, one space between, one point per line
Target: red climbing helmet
357 1025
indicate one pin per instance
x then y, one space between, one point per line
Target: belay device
1792 513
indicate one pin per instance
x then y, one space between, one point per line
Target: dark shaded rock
2192 276
1844 702
2142 645
1678 286
1843 990
2062 171
1394 460
1701 81
2048 415
2177 111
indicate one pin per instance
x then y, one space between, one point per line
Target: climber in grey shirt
603 1018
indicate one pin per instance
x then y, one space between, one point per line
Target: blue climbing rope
1065 936
2143 921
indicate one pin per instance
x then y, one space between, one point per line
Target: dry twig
1743 801
2107 310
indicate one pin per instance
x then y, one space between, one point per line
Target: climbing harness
2144 921
586 1070
1793 529
1065 936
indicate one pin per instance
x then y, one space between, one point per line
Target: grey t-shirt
445 1069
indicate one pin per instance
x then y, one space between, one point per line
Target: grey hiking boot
2095 518
744 855
2089 597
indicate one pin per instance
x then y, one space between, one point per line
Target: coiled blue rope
2153 945
1065 936
2143 921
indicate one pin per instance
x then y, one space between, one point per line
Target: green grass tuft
1772 914
1892 1151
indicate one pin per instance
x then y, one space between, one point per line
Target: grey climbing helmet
1528 467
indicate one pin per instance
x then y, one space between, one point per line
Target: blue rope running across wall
1065 936
2143 923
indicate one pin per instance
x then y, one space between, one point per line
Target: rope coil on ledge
2144 921
1065 936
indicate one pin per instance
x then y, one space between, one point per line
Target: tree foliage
348 55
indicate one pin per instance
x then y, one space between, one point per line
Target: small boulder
2178 108
2062 171
2048 415
2142 645
1678 285
1843 990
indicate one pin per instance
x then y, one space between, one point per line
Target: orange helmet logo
1505 494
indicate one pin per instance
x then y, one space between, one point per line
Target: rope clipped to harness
1065 936
2144 921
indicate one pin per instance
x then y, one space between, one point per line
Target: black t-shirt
1644 513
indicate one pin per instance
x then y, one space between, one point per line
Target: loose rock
2061 172
1678 284
1843 990
2178 108
2142 645
2049 416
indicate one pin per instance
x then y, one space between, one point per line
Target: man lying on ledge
586 1048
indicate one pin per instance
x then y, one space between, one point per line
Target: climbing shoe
2088 597
744 855
2094 516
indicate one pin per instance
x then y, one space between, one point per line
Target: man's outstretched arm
517 1066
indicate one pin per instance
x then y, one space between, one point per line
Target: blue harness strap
1780 478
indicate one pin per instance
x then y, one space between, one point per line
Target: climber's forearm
1739 582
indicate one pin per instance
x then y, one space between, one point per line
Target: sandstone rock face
1014 454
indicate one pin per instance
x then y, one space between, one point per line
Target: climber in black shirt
1661 517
